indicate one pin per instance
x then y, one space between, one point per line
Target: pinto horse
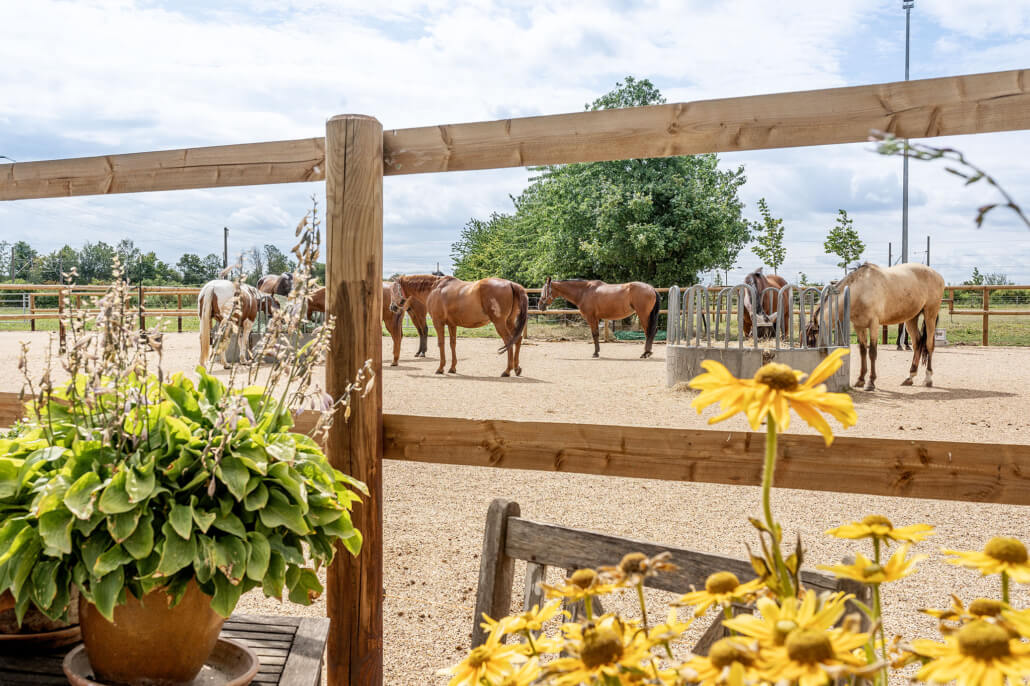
597 300
276 284
215 301
761 315
882 297
452 303
394 321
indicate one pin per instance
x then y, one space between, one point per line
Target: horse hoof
908 348
870 387
595 355
439 371
645 356
452 371
518 371
505 374
907 382
928 384
394 364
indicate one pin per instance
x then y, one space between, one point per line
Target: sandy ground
434 514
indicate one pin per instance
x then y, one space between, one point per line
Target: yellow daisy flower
722 588
531 620
978 609
668 631
523 676
1017 620
1001 554
732 661
635 567
597 650
980 653
812 657
774 390
491 661
878 526
778 620
581 584
868 572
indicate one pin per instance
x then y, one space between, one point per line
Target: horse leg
395 325
594 332
245 340
504 330
453 330
930 322
862 350
518 347
643 316
912 326
443 350
872 356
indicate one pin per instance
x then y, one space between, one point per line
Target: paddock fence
354 157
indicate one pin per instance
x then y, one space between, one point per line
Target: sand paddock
434 514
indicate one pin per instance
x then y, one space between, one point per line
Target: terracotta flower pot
150 643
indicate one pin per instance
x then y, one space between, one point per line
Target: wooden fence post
178 306
60 320
32 311
354 273
987 317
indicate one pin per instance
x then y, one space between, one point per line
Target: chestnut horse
276 284
597 300
763 312
452 303
394 321
881 297
215 301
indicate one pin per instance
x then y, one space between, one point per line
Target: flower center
721 582
1006 549
633 563
872 570
726 651
478 656
777 376
986 607
782 629
983 640
809 646
601 645
584 578
877 520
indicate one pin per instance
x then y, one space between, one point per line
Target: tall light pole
907 6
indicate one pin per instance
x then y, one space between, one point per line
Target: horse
452 302
394 321
763 312
215 301
882 297
597 300
276 284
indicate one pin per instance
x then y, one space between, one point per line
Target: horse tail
207 297
519 293
652 319
922 345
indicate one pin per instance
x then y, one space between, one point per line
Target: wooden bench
290 650
509 537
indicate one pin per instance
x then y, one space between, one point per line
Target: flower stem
1005 587
787 587
529 637
727 612
643 606
588 605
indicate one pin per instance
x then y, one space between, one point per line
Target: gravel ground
434 514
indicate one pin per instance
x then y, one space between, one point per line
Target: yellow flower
523 676
868 572
978 609
635 567
606 648
491 661
878 526
979 653
1017 620
812 657
531 620
774 390
668 631
722 588
1001 554
731 661
778 620
581 584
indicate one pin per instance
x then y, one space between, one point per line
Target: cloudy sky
105 76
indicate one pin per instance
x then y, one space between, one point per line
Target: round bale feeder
701 328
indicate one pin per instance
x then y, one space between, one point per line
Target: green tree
5 260
96 261
657 220
25 263
52 266
276 261
191 269
212 267
843 241
987 279
769 238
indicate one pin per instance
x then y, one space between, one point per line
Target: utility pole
907 6
12 264
928 251
890 255
225 247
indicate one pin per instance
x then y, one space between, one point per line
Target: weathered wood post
354 273
987 317
178 306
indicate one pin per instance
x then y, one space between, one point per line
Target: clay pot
150 643
34 622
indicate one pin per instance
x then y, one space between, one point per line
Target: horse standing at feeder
761 314
882 297
597 300
394 321
276 284
452 303
216 301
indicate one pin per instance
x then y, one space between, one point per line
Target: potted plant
162 499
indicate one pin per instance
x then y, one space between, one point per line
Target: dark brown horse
597 300
452 303
761 314
276 284
215 301
394 321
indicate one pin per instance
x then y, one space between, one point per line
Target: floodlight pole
907 6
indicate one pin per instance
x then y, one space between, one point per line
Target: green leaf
204 561
281 512
79 498
140 482
254 457
226 596
55 528
203 519
26 559
257 498
181 519
260 552
291 481
175 553
231 524
110 560
141 542
121 526
306 588
234 474
231 557
106 591
275 576
9 483
115 499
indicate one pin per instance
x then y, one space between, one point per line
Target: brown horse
763 312
276 284
597 300
215 301
881 297
394 321
452 303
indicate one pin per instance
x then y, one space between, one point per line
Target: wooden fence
354 157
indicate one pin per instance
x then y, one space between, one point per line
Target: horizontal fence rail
952 105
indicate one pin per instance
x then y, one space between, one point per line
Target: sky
109 76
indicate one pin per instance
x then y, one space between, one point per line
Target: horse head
755 309
398 299
546 296
812 328
285 284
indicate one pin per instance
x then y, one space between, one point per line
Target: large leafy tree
657 220
96 261
276 261
843 241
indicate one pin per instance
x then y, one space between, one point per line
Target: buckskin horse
761 314
452 302
882 297
597 300
215 301
394 321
